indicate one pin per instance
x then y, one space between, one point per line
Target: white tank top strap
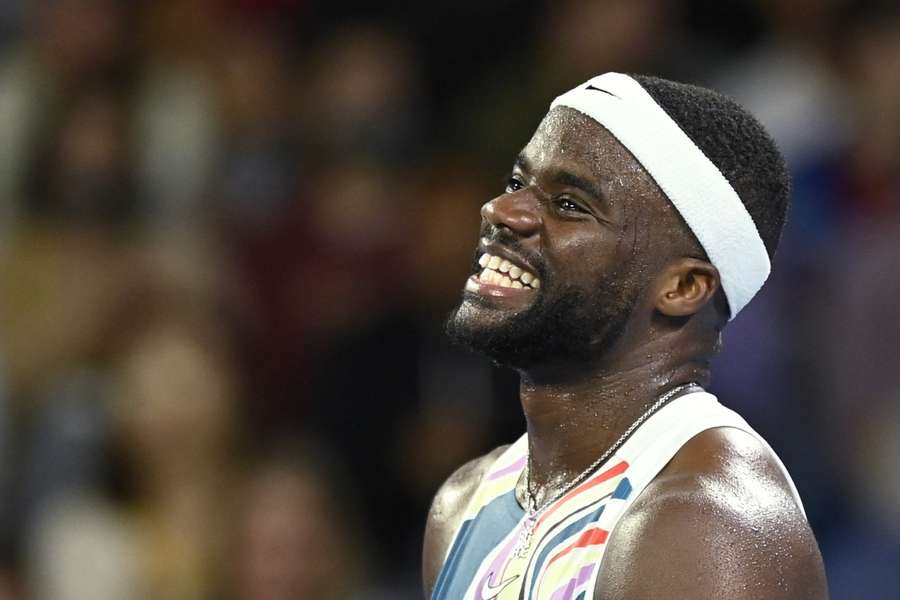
657 441
499 478
512 456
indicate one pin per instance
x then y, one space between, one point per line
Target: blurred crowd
230 231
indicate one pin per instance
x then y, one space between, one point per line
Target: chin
540 335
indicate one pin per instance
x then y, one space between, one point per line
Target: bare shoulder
447 510
719 521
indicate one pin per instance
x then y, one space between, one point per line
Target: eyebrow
567 178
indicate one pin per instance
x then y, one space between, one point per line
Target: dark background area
230 232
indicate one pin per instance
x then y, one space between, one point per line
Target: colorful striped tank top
570 536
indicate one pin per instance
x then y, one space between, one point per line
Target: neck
575 414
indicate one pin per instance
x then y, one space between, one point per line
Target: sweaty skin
719 521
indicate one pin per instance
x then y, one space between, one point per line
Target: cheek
586 253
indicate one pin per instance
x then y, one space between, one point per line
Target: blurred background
230 231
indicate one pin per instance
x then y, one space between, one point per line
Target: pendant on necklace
525 534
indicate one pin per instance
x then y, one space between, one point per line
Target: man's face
561 262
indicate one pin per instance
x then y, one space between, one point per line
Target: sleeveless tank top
569 539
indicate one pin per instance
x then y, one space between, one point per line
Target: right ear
686 286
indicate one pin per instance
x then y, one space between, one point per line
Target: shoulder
447 510
720 521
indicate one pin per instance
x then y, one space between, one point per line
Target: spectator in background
788 78
177 117
317 165
83 172
297 533
363 101
259 168
69 45
174 413
870 43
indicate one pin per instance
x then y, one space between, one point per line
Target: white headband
694 185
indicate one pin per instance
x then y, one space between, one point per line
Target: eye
513 184
569 206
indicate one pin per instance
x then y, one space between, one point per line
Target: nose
518 211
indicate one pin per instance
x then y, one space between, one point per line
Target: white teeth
500 271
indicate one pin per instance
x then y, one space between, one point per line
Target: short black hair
736 143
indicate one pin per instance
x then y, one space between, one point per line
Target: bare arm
447 511
719 522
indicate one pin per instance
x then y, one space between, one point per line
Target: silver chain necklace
534 512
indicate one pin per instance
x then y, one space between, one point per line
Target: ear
686 286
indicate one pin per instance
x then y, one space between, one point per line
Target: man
639 219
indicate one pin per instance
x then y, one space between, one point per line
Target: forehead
571 141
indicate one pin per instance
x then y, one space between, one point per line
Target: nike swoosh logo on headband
596 89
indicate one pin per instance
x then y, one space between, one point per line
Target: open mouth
504 273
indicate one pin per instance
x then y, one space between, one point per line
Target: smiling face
568 251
